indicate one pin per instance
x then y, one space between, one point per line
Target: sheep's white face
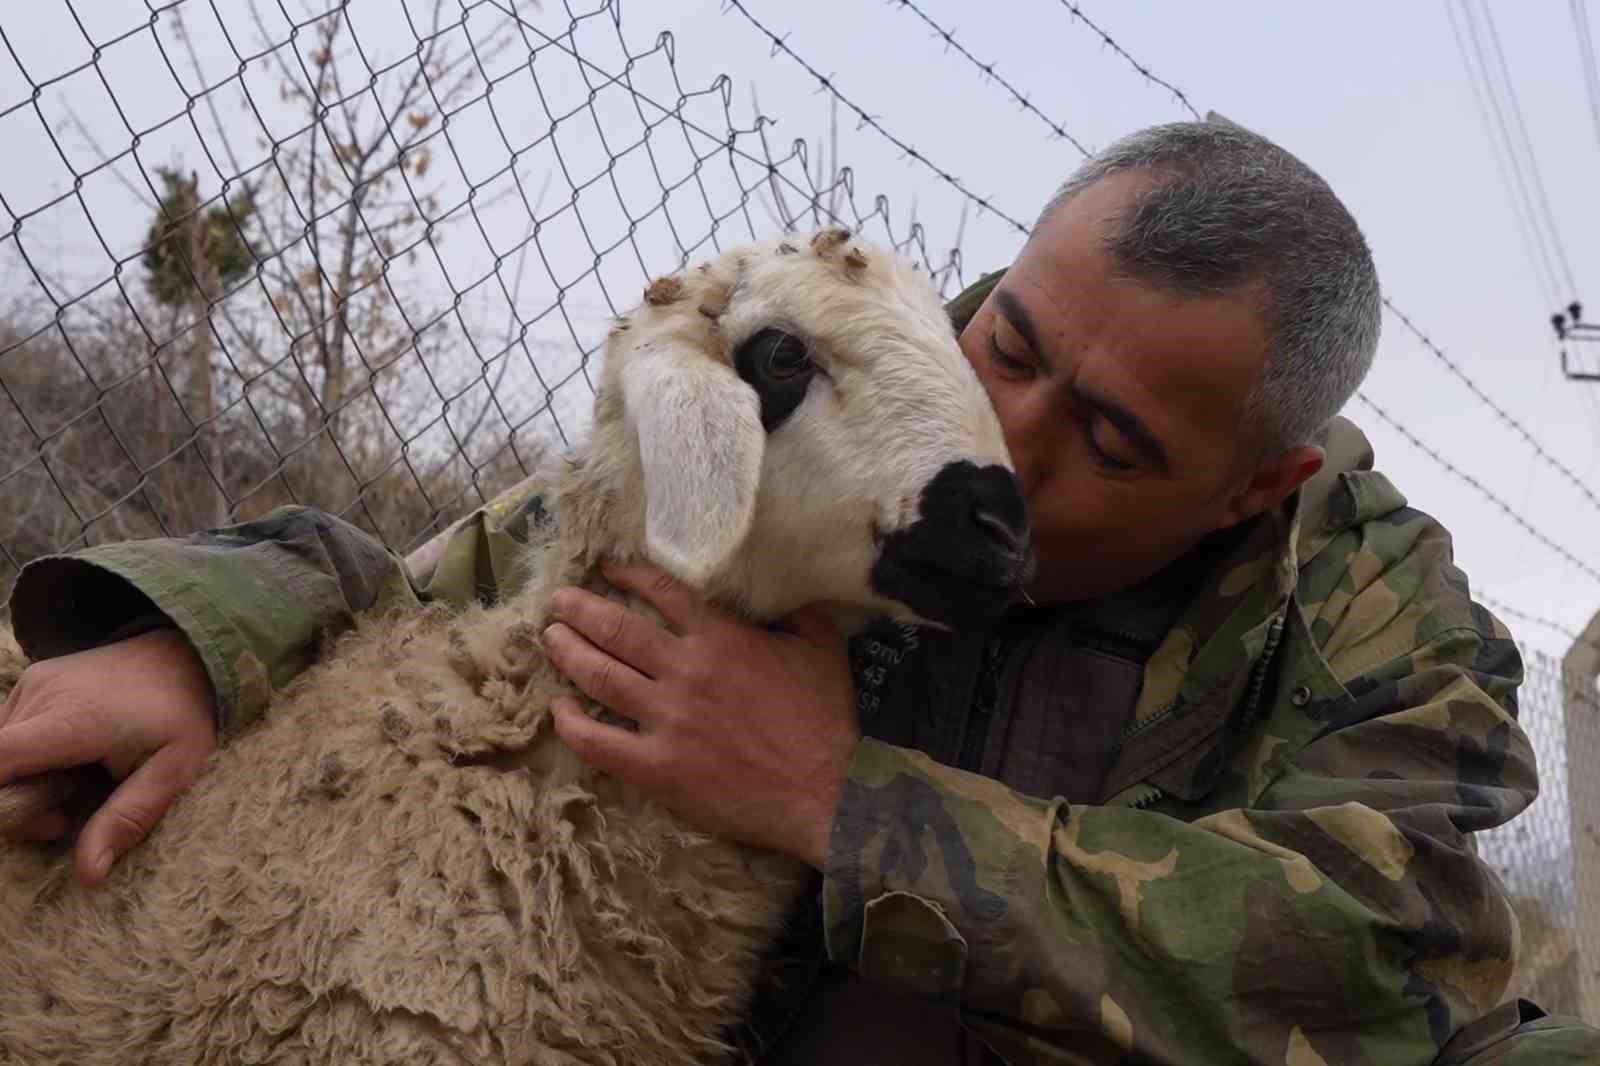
811 432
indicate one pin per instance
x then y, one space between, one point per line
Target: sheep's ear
701 442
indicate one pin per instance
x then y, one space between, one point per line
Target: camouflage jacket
1279 870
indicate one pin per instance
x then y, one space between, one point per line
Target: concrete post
1579 670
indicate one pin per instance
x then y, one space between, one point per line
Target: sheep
402 863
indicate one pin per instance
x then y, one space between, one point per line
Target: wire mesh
1549 856
355 256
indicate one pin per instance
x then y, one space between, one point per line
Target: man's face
1119 402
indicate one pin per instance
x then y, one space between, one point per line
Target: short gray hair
1230 209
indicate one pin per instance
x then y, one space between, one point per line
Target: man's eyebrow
1011 308
1130 424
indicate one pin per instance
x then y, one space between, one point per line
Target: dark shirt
1038 702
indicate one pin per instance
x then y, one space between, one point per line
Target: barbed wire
826 82
1145 71
988 71
1482 489
1501 607
1500 412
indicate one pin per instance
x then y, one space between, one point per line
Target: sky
1373 95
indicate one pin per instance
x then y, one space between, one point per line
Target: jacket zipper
1120 642
1258 680
981 708
1146 795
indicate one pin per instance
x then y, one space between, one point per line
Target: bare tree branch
182 33
140 194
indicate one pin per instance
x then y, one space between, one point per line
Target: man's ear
1274 479
701 442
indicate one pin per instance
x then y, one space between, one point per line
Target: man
1205 798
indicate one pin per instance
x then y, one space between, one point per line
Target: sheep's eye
783 355
779 367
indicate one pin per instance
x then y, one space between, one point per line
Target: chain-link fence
360 256
1549 857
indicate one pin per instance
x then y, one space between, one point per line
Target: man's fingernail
559 600
102 862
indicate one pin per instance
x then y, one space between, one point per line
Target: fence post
1581 711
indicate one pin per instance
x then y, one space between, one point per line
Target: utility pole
1580 668
1570 326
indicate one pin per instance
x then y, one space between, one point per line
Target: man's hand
745 732
143 708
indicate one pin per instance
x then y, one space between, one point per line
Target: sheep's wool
415 870
403 864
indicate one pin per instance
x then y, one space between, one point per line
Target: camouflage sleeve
257 599
1332 910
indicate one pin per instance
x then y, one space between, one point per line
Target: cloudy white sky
1371 94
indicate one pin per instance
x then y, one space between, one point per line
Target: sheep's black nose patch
967 554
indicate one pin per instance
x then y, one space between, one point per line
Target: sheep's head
807 430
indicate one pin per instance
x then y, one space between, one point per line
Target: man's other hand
745 732
143 708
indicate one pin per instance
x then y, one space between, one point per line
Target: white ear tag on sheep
701 444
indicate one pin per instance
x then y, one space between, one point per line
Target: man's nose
1028 439
1030 471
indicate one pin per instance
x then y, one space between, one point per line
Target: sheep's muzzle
966 556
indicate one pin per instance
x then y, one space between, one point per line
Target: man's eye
1008 365
1102 458
1105 459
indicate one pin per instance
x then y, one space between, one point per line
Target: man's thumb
128 816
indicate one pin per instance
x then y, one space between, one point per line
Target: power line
1521 126
1533 246
1586 61
988 71
1483 72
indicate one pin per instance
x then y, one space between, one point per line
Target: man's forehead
1066 253
1087 217
1182 364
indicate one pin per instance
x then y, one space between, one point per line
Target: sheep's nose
983 511
967 553
1006 528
